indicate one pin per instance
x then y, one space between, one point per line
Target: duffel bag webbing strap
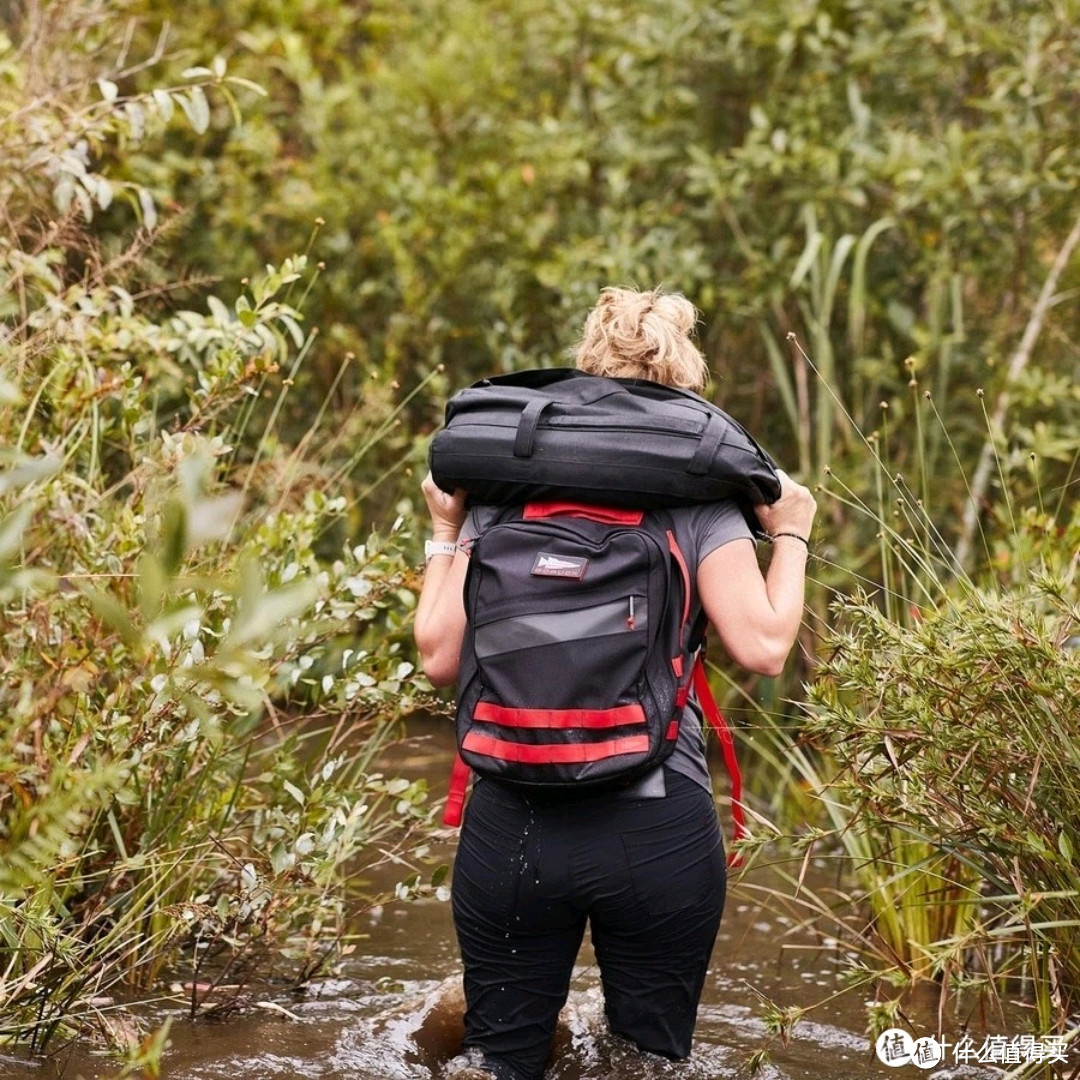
727 745
455 797
526 431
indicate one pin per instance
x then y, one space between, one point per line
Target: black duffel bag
559 433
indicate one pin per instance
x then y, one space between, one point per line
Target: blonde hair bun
643 335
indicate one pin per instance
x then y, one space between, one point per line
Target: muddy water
383 1018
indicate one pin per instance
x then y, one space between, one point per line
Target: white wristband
438 547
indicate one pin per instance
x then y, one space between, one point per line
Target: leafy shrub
201 663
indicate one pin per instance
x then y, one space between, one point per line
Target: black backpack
579 653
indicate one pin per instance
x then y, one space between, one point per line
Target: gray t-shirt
699 530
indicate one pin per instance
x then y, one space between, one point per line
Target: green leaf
1065 846
247 84
244 312
164 102
148 209
196 108
112 612
12 528
219 310
28 470
173 536
261 615
294 330
104 192
152 584
136 118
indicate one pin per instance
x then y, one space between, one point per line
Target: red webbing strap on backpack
455 797
727 744
459 773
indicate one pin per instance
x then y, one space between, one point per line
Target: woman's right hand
793 512
447 511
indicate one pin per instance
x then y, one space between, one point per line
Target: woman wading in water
642 865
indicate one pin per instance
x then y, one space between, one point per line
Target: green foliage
940 746
960 729
935 756
201 664
886 180
193 452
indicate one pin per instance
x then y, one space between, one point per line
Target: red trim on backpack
553 753
488 712
606 515
727 745
672 730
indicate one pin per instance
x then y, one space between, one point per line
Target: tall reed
939 735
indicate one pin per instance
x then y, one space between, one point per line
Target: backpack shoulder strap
455 797
727 745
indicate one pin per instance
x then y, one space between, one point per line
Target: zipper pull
630 619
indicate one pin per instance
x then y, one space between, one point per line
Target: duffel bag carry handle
587 392
526 429
711 440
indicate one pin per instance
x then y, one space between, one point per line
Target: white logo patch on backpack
562 566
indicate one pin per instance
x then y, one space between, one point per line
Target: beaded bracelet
794 536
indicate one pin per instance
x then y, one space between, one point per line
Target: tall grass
940 739
934 748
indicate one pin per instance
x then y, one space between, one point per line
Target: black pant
647 874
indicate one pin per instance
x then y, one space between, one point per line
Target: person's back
642 863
